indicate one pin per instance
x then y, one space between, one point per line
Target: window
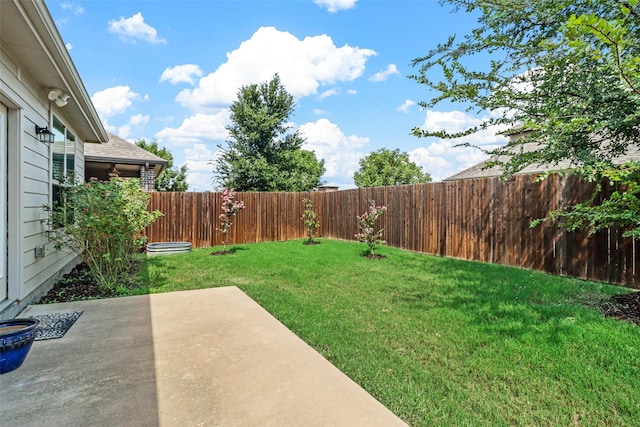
64 151
63 163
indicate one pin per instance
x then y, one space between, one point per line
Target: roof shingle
480 170
118 150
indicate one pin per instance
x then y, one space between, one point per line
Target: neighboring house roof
118 150
29 33
119 156
480 170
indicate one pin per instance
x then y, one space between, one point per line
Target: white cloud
445 157
134 28
408 103
124 131
196 129
524 82
74 8
352 92
458 121
198 160
341 153
70 10
336 5
113 100
328 93
135 122
181 74
434 164
139 119
383 75
452 121
319 112
303 65
69 46
109 128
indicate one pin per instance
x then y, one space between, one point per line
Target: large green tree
263 153
388 167
171 178
568 71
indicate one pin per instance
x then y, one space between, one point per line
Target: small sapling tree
230 206
367 223
310 219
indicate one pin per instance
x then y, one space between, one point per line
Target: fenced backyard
483 220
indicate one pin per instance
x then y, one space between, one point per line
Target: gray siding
30 188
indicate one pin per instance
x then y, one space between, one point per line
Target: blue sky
169 70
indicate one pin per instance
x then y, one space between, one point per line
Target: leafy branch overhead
564 73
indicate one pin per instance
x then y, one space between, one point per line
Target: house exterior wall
29 188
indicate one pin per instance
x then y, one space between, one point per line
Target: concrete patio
210 357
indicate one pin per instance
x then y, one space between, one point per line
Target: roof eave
123 160
53 44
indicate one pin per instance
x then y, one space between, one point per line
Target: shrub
309 217
104 221
366 222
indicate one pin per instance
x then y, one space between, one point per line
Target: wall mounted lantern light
45 135
59 97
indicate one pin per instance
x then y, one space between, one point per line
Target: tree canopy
388 167
568 71
171 178
263 153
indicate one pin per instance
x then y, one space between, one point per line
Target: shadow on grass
151 272
509 304
232 250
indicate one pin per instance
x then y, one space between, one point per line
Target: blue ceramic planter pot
16 337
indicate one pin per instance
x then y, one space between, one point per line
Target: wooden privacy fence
483 219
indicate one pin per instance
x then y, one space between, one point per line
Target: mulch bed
623 307
219 253
374 256
77 285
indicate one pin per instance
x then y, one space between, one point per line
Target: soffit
27 31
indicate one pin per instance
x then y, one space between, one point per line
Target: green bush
104 221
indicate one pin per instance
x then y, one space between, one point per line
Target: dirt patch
311 243
374 256
220 253
623 307
77 285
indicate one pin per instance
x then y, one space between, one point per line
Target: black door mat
55 325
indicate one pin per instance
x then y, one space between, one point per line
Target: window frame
63 165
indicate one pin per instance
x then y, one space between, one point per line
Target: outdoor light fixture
59 97
45 135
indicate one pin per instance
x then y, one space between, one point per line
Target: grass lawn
438 341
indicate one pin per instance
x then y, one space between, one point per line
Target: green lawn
438 341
